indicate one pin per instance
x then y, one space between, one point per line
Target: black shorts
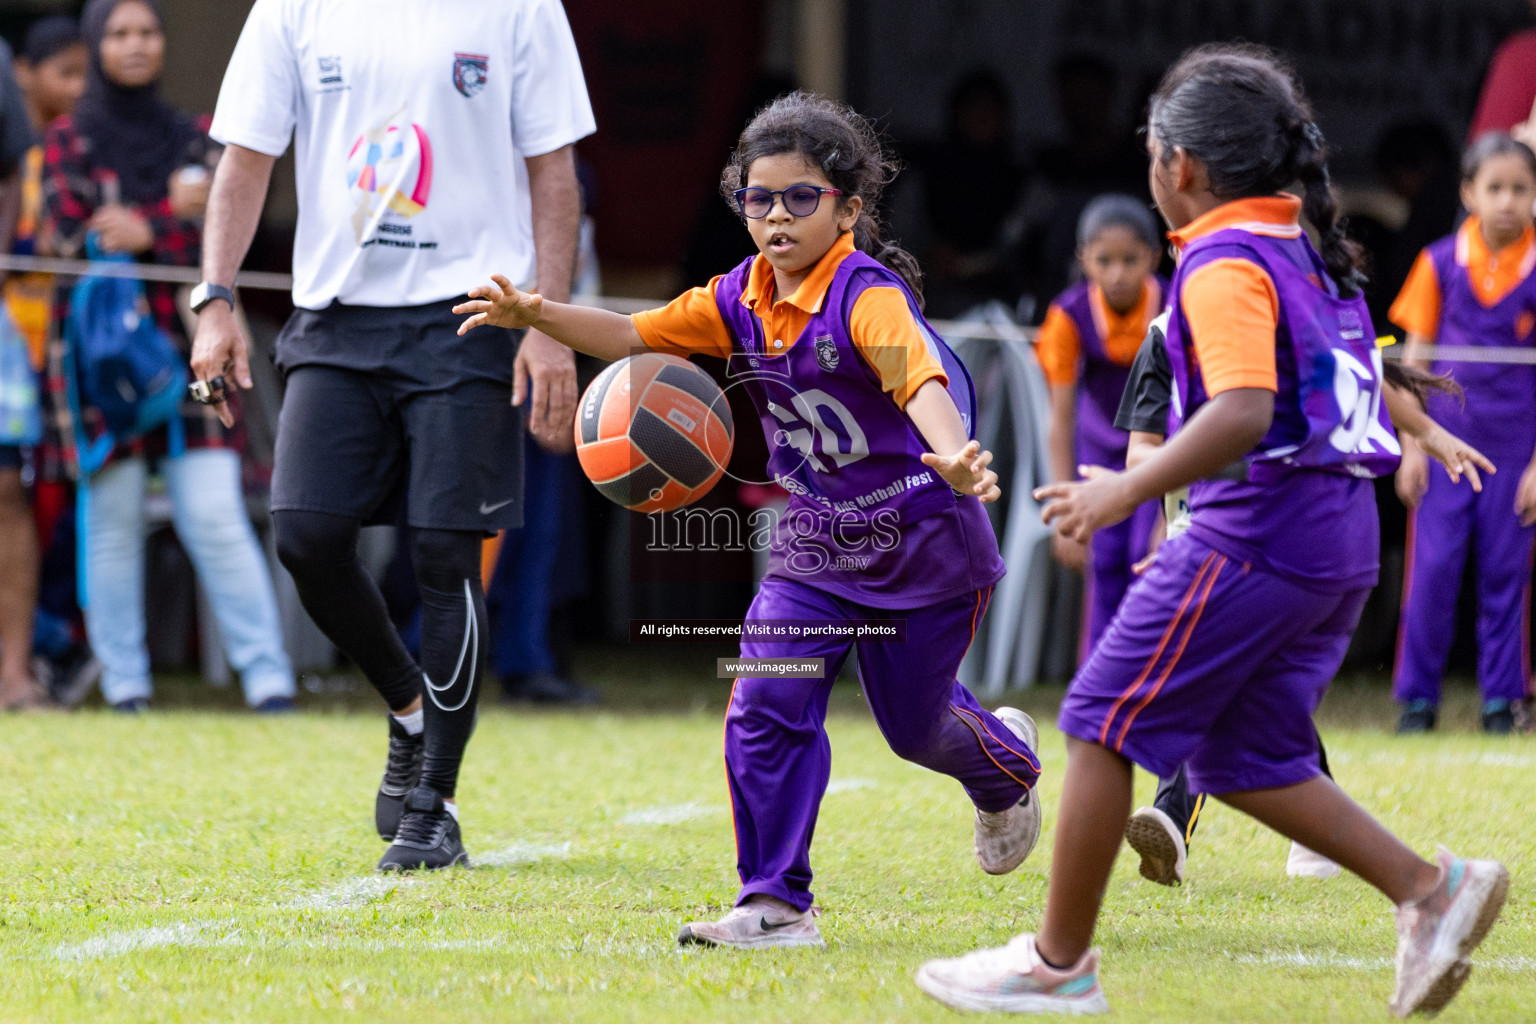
373 443
11 457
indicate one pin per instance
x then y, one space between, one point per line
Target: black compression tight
320 551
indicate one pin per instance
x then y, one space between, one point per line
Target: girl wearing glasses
868 416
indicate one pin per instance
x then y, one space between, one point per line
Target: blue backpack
121 364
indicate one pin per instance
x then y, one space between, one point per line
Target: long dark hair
847 148
1240 110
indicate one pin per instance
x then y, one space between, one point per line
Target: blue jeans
209 515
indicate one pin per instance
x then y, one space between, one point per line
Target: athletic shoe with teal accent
1004 839
1014 979
1436 933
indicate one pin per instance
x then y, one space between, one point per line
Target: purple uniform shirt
1497 413
866 519
1306 510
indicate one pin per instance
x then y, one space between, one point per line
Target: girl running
1085 346
1474 288
867 412
1161 833
1221 652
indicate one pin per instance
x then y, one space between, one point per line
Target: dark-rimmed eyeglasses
799 200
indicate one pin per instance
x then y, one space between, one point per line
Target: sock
1054 967
452 807
411 723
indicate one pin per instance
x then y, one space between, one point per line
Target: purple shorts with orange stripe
1214 664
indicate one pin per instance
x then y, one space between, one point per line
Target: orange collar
1472 249
1277 216
1134 320
1493 275
758 294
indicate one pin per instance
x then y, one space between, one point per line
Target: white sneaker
1436 933
1013 979
1304 863
1004 839
759 923
1154 836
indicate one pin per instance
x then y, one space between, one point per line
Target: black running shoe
428 836
401 772
1418 716
1498 718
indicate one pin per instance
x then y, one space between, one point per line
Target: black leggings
320 551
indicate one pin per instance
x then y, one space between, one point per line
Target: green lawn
202 864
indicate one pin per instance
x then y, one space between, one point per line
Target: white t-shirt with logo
410 120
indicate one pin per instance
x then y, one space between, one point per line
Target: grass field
199 865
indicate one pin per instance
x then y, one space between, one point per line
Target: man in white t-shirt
432 141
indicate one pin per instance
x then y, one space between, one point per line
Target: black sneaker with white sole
402 770
428 836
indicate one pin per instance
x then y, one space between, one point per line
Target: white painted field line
522 853
1337 961
353 892
848 785
189 933
670 814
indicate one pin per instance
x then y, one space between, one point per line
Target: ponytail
1242 112
1420 383
1309 165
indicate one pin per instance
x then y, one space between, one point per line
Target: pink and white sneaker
1014 979
1436 933
760 923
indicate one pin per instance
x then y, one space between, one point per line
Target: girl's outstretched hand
1458 457
966 471
500 305
1080 508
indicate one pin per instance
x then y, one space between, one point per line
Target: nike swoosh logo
486 510
769 926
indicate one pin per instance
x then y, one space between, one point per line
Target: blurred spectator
1508 100
540 564
1097 154
51 71
19 689
971 182
131 169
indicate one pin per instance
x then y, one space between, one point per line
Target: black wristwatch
207 292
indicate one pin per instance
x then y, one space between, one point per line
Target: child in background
826 319
1221 652
1474 288
51 72
1085 346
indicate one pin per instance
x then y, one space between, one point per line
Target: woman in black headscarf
132 170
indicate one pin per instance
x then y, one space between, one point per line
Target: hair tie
1313 134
